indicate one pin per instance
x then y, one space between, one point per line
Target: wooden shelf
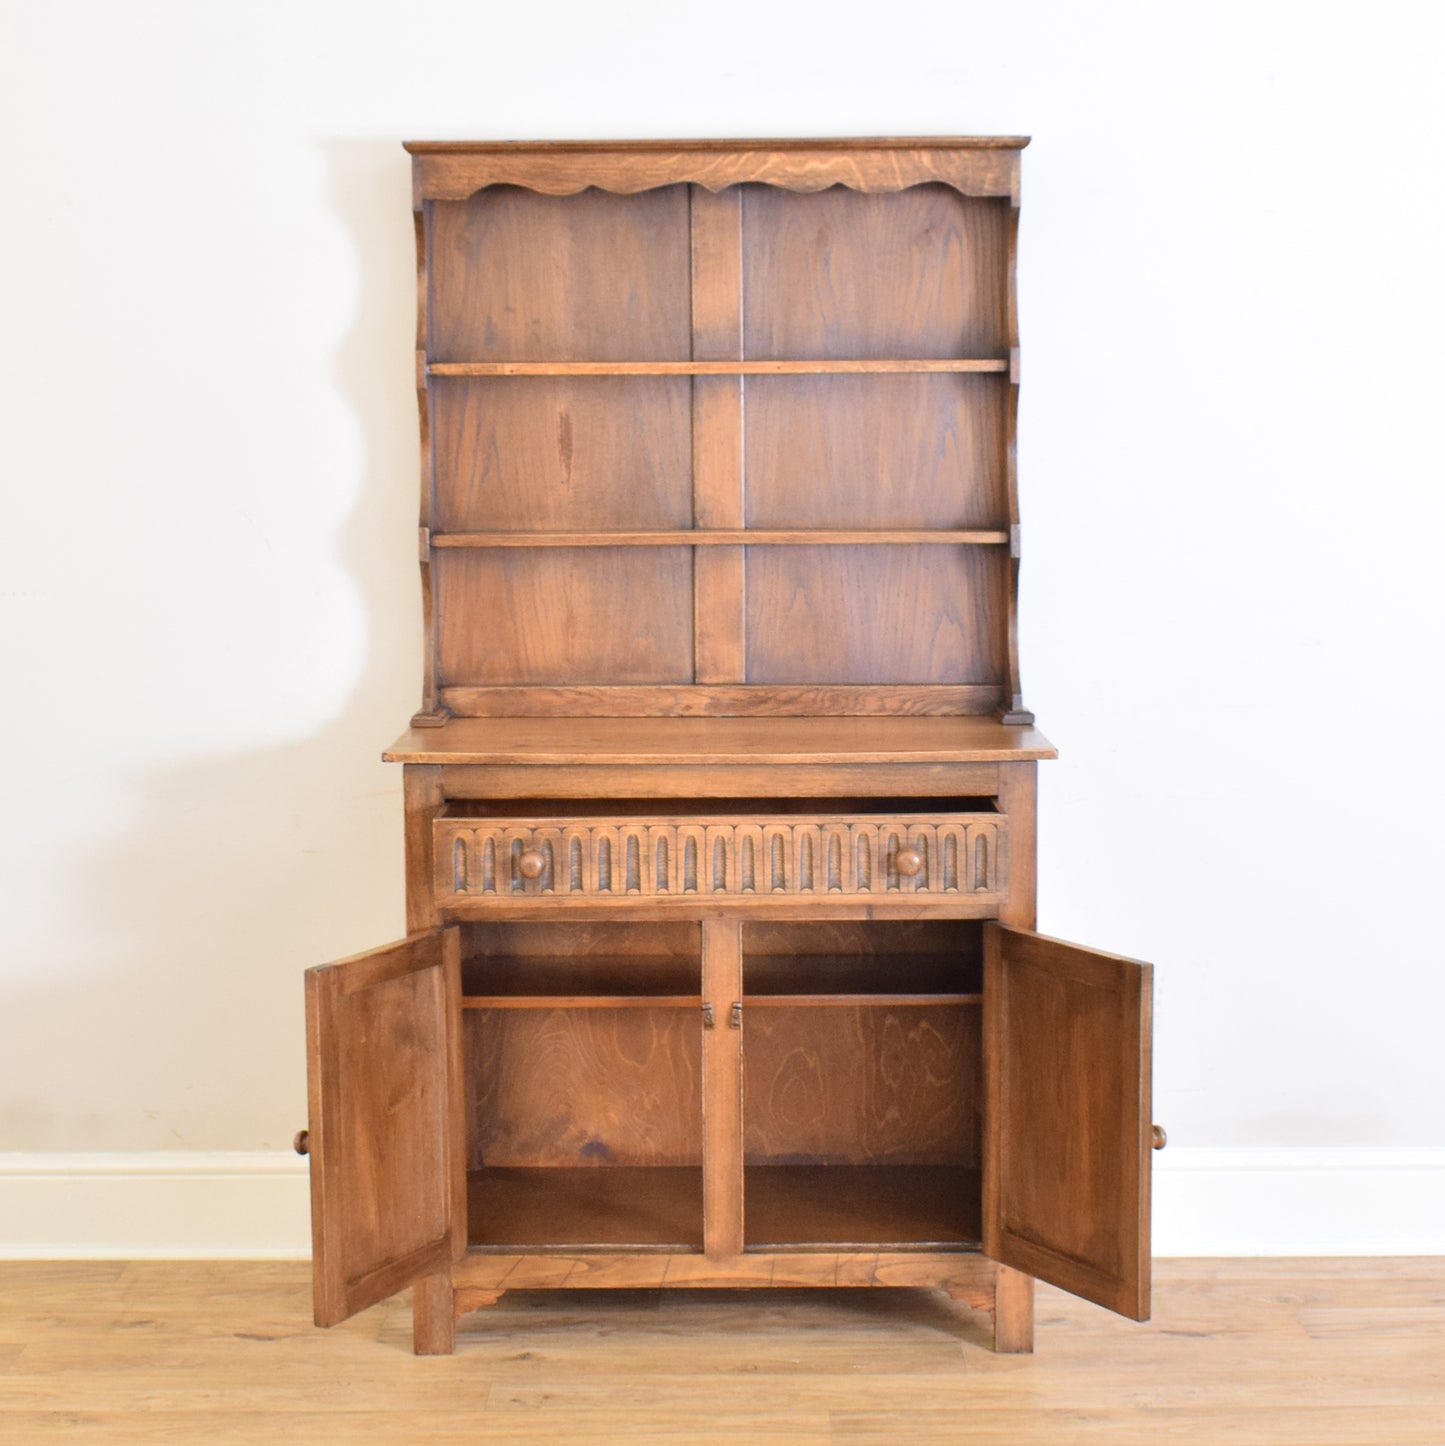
820 367
731 537
868 1207
558 1207
581 981
808 979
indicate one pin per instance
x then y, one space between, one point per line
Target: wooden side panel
1066 1188
517 276
521 454
842 274
422 791
566 616
583 1087
863 1084
384 1071
877 614
877 452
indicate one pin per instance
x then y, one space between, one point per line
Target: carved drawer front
854 857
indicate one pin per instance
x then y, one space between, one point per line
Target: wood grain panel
520 276
1069 1129
876 615
572 453
922 273
895 701
862 1084
382 1065
883 451
594 615
661 946
583 1087
763 939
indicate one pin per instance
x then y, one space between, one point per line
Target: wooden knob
908 862
1160 1138
531 862
302 1143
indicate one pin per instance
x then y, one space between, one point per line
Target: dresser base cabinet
649 1091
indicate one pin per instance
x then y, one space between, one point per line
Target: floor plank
1334 1352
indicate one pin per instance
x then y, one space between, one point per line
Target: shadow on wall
237 873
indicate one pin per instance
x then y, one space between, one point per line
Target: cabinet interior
582 1060
862 1084
862 1080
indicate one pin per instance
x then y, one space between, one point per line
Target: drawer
788 851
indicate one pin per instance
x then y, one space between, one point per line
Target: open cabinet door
1067 1037
384 1076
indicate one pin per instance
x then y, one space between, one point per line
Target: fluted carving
755 857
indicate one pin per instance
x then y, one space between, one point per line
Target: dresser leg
433 1323
1013 1312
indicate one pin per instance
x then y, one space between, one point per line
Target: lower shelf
877 1207
786 1207
656 1207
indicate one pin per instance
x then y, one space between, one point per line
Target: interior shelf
821 366
557 1207
799 1207
809 979
589 981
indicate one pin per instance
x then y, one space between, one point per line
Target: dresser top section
976 166
574 741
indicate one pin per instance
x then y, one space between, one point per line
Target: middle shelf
729 537
821 366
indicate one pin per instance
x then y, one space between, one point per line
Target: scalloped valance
972 165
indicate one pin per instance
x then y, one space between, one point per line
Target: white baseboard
255 1204
1326 1201
163 1204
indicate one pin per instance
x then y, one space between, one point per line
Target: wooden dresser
720 808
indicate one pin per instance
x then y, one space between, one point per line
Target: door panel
1067 1035
384 1074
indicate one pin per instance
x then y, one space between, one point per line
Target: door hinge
736 1019
708 1022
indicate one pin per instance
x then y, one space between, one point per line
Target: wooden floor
1239 1351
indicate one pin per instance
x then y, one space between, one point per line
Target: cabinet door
384 1076
1067 1039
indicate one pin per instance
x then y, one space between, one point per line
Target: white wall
1232 473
